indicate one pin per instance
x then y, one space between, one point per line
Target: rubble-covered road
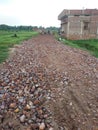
45 85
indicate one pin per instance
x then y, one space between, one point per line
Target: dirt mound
47 85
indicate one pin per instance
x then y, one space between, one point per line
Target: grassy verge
90 45
8 39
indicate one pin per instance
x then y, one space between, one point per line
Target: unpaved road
46 82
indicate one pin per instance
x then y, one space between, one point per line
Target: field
89 45
9 38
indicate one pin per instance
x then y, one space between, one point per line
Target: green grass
90 45
7 40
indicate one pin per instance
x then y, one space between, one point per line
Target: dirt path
47 84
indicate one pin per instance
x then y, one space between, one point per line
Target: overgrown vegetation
9 38
90 45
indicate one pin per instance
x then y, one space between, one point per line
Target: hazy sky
38 12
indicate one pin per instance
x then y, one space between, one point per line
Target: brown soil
71 76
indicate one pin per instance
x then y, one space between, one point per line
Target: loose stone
22 118
42 126
16 110
12 105
27 107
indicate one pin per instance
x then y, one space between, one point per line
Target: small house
79 24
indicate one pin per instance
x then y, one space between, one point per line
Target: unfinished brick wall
77 25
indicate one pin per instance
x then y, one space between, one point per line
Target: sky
39 12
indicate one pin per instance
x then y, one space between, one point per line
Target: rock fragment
22 118
42 126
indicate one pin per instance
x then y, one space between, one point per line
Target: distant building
79 24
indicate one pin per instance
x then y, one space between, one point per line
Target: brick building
79 24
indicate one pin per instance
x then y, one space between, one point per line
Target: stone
34 118
30 121
42 126
50 128
79 128
70 104
1 95
2 106
20 92
40 112
29 128
27 107
10 124
45 116
21 99
36 102
13 105
16 110
22 118
36 85
72 116
32 89
31 104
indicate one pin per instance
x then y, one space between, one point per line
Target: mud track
59 87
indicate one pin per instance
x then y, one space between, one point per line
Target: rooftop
66 12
